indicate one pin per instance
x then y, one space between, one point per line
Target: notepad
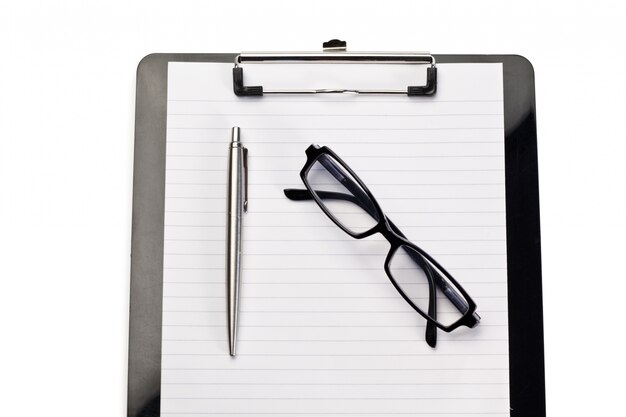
322 332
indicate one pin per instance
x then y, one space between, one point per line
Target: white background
67 89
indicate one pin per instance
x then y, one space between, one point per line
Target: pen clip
245 176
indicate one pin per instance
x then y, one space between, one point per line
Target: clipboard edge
527 387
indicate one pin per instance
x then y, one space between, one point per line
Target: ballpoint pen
237 204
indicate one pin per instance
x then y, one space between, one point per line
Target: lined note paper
322 331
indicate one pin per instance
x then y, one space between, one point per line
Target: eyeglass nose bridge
385 228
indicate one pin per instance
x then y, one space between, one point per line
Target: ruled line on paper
253 129
335 115
447 414
437 166
196 155
336 100
265 142
363 170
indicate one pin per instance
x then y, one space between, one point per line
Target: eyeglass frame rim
313 153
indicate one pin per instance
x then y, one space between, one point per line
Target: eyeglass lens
407 269
339 192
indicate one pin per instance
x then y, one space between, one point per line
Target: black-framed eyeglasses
420 279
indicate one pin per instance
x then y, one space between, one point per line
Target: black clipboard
526 357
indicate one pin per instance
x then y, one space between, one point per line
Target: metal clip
335 51
245 176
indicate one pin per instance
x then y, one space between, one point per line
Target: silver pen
237 204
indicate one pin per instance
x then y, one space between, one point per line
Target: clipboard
526 358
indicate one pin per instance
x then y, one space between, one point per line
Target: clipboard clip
335 51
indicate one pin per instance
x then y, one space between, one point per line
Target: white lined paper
322 331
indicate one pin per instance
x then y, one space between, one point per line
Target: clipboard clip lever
335 51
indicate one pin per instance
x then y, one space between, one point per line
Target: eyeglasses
420 279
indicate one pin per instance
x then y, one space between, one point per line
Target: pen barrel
234 238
